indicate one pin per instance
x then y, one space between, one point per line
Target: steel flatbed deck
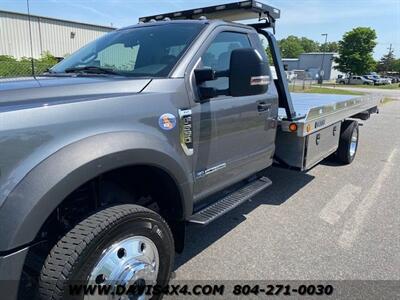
317 111
314 132
309 125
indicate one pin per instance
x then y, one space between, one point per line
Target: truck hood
25 91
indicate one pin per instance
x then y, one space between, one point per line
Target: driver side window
218 55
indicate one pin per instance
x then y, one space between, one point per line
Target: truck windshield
148 51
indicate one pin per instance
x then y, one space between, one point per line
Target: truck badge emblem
167 121
186 130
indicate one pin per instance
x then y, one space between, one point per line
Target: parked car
355 79
360 80
376 79
395 76
387 80
290 75
341 79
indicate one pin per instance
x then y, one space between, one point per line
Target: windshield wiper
90 69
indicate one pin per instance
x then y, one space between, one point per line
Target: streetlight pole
321 71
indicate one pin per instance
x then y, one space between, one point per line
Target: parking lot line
353 226
334 209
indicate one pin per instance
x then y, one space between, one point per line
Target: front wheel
125 245
348 142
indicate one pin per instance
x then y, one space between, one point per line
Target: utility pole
387 64
321 71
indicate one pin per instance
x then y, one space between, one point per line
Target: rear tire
348 142
119 238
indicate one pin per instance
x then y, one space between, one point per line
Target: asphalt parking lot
331 223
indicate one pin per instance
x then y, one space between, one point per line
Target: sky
308 18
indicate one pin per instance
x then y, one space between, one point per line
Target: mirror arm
224 73
203 75
224 92
206 93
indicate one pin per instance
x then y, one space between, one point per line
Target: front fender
31 202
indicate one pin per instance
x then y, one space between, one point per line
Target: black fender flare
37 195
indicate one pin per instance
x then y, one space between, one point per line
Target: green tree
291 47
396 65
387 62
355 51
269 55
329 47
11 67
309 45
47 58
7 58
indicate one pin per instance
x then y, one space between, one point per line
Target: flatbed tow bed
310 127
104 172
317 126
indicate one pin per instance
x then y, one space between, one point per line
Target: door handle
262 106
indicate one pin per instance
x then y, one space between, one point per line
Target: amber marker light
293 127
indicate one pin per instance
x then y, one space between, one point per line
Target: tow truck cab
206 128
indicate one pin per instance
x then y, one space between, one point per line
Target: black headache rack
237 11
240 11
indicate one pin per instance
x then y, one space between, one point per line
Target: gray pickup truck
108 156
354 79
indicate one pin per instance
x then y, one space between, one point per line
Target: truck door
234 137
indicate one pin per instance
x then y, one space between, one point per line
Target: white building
311 63
59 37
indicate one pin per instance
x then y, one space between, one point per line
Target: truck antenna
30 39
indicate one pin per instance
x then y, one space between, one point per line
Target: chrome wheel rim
131 261
354 142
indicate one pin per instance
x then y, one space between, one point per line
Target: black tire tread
346 132
61 259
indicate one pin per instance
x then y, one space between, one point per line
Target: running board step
222 206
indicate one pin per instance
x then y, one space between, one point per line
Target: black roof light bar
237 11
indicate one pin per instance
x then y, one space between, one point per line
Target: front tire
123 244
348 142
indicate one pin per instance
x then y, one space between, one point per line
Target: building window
73 34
